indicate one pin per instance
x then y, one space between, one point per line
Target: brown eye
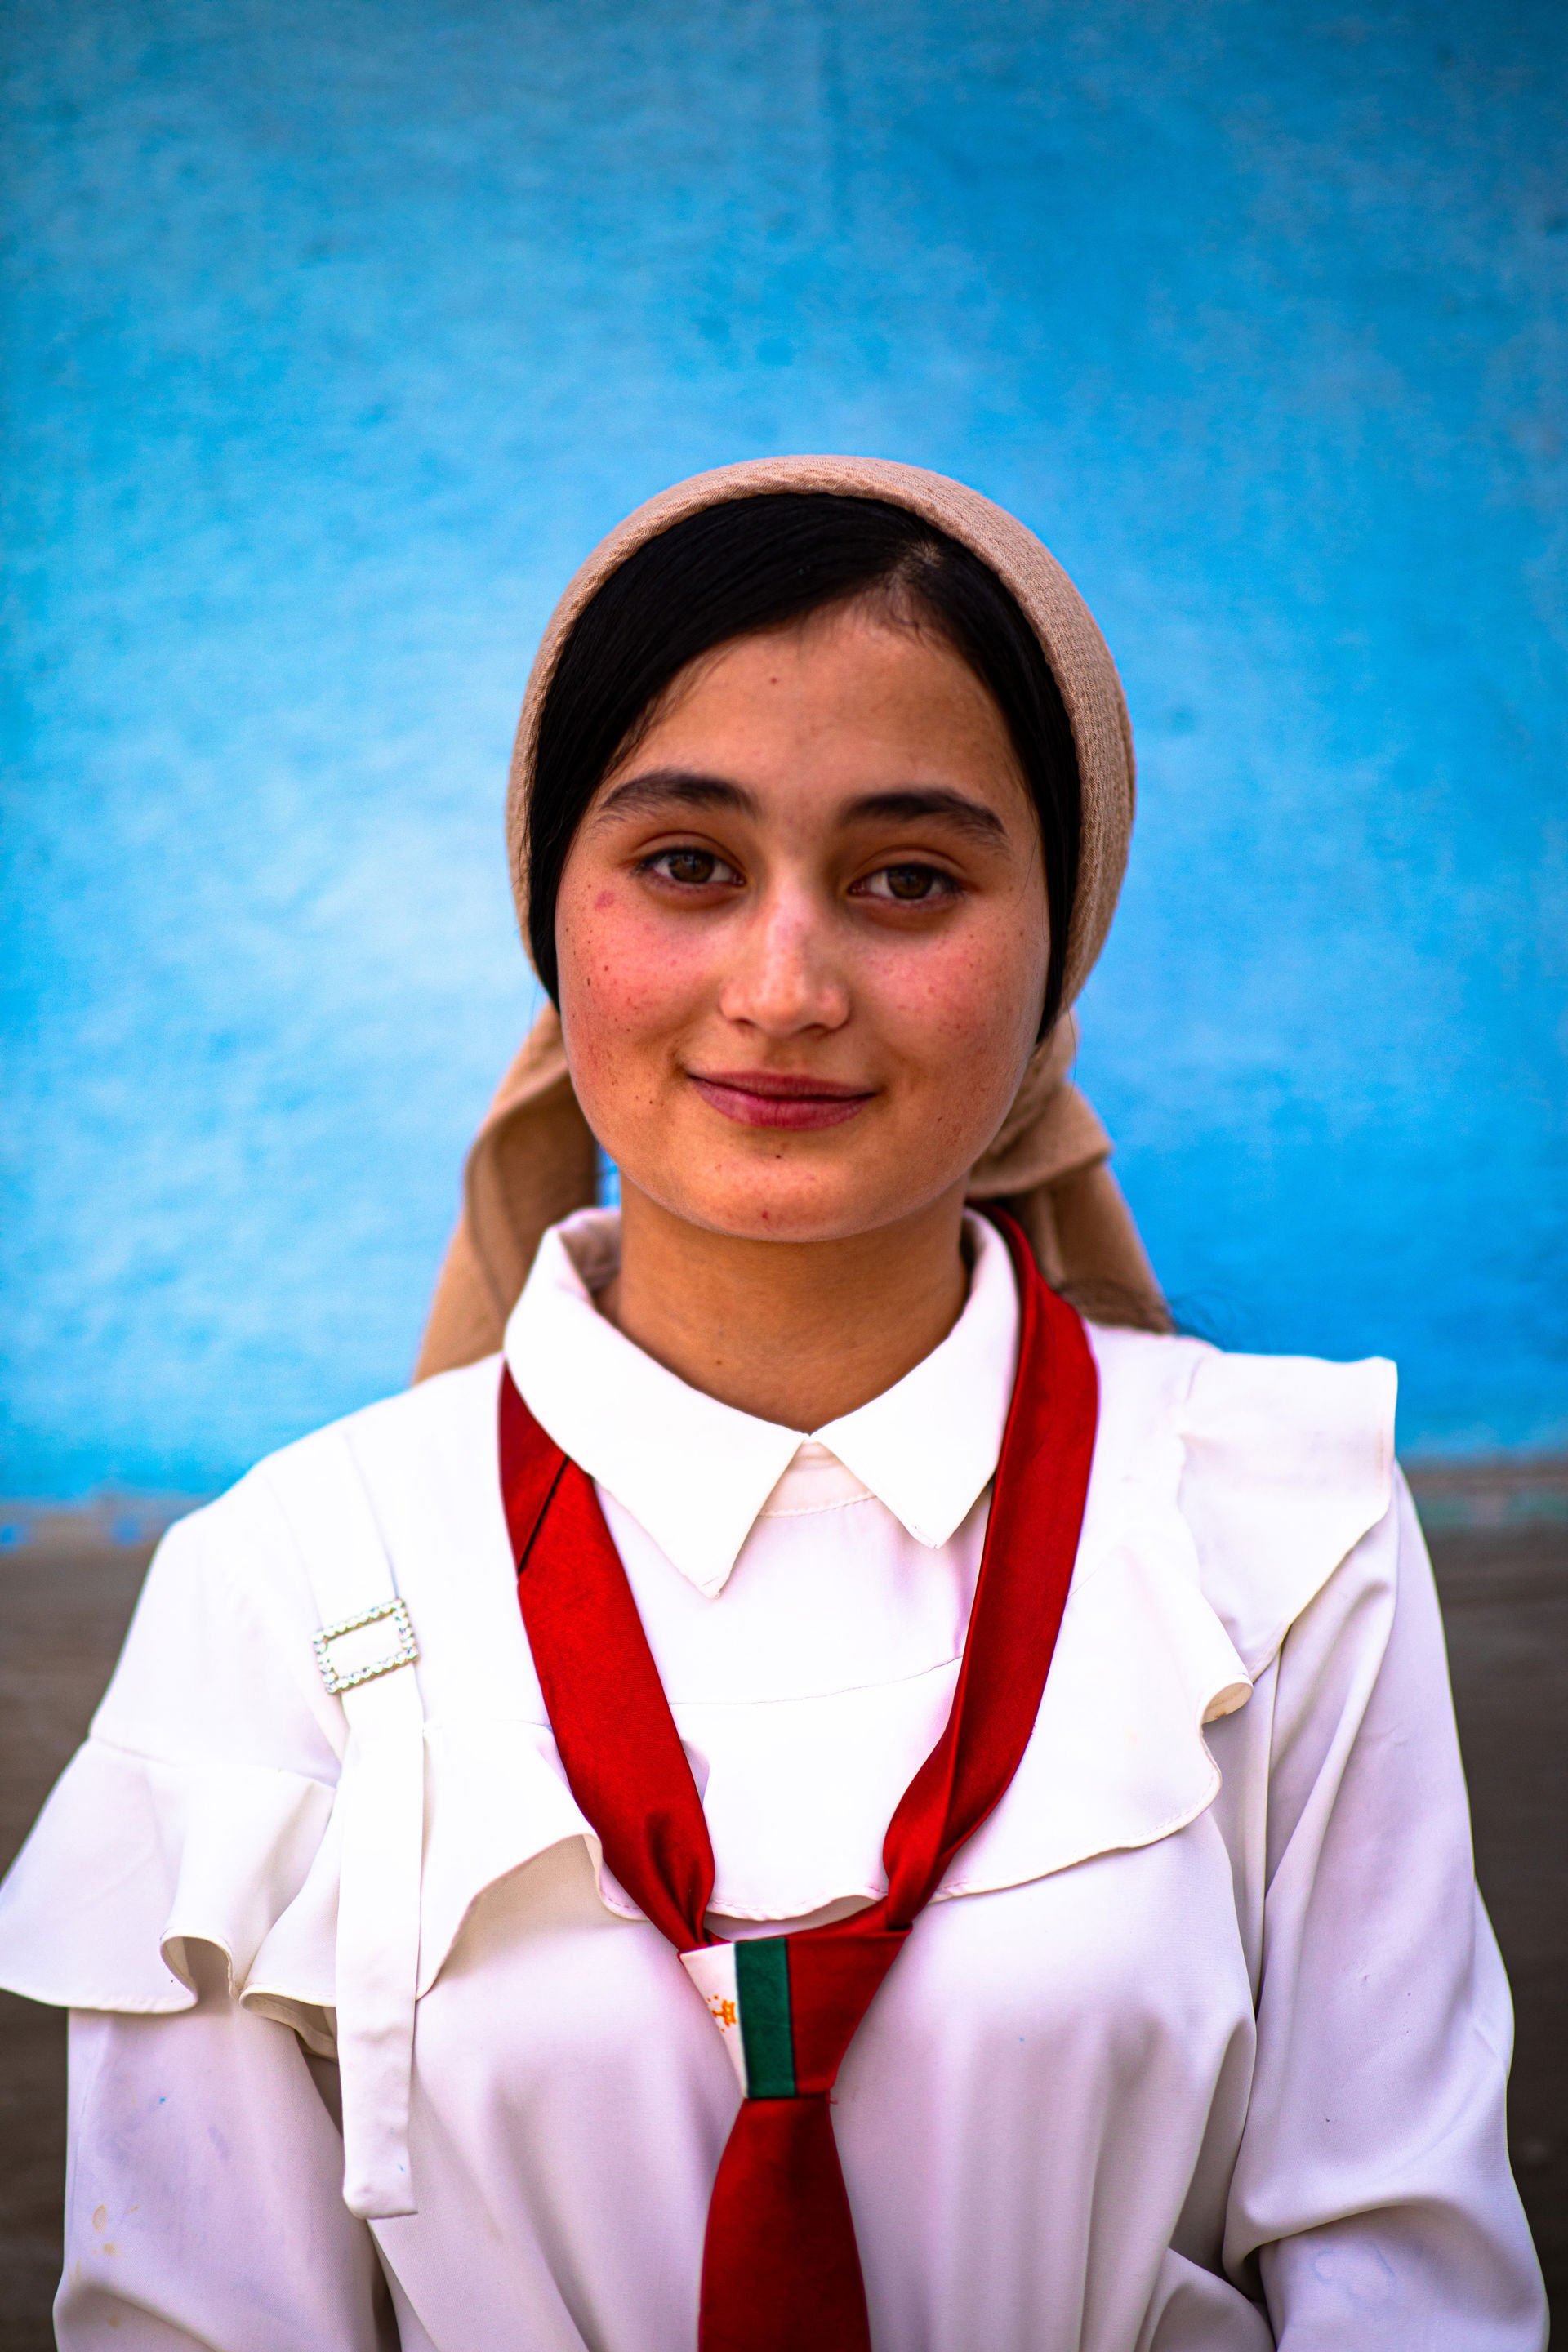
909 885
690 869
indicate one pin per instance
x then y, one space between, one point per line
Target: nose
786 977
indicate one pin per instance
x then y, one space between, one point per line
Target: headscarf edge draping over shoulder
534 1159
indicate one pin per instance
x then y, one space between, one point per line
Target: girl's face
802 936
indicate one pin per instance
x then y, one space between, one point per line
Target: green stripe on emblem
761 1980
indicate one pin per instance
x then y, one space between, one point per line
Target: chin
773 1205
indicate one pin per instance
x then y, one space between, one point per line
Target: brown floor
63 1609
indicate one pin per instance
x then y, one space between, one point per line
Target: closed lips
768 1099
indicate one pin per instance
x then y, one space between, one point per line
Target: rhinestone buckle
406 1653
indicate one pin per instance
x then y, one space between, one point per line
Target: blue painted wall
335 336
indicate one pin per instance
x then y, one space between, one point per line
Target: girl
823 1779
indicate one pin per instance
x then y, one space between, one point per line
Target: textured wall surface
336 335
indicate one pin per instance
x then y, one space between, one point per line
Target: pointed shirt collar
695 1474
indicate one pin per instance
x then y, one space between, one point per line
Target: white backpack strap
366 1652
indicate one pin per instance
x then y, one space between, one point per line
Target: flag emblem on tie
745 1988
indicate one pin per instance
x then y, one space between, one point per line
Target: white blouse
1201 2047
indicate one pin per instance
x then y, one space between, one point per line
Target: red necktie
780 2268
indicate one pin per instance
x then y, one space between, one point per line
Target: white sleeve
202 2193
1372 2188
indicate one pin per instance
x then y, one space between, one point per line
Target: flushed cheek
974 999
626 1019
630 976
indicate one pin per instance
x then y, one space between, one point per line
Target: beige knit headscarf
534 1159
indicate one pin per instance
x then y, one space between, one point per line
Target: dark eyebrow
661 788
917 801
657 789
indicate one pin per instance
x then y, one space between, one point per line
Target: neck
794 1332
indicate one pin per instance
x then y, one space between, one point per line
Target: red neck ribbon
780 2267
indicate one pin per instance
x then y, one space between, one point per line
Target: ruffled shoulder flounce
1288 1461
134 1859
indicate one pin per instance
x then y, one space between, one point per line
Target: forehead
842 693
